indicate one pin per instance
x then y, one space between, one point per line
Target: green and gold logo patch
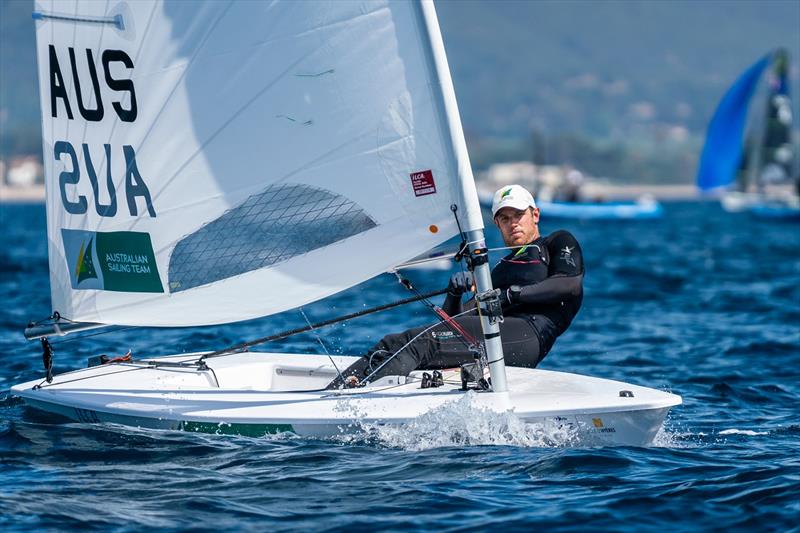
120 261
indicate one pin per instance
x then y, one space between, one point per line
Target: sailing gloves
510 296
460 282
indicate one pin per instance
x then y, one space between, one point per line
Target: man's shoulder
560 236
566 252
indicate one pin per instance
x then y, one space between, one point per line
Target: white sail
209 162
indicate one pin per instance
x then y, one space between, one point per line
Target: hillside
603 67
611 73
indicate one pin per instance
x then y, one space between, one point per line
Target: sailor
541 284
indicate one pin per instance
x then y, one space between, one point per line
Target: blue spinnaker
723 147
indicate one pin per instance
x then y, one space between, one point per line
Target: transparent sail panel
278 224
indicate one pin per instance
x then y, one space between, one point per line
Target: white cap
512 196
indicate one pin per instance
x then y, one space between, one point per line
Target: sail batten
234 160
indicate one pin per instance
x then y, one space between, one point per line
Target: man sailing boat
541 284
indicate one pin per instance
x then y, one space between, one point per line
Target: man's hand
460 282
510 296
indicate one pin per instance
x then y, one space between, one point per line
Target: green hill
608 73
604 67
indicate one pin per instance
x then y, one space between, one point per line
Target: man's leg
396 354
520 345
438 347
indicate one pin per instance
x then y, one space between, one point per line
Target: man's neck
521 249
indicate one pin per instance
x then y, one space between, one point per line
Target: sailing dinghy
212 162
759 171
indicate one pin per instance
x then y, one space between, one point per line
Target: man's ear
535 214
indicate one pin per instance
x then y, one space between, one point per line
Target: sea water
701 303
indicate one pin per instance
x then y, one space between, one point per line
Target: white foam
462 423
748 432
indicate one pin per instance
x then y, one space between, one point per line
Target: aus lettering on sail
82 68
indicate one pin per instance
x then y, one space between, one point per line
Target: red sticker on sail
423 183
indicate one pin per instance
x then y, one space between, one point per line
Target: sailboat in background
759 175
211 162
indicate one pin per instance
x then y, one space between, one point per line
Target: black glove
510 296
460 282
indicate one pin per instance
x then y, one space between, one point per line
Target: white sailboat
212 162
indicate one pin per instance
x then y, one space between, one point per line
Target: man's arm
552 290
452 304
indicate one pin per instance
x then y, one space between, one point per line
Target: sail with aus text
209 162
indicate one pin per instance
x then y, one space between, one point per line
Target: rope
403 347
319 339
245 345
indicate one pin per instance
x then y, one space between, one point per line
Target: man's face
518 227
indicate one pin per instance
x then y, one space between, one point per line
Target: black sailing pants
440 347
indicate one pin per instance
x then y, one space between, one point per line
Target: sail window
280 223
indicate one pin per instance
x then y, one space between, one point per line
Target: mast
469 198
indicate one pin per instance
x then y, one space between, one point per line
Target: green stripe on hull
246 430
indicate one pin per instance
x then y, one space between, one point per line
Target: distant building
521 172
546 182
24 171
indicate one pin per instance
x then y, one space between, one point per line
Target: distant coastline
36 193
26 194
632 191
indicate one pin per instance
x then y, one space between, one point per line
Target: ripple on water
682 304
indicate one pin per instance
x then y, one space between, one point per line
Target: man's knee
394 341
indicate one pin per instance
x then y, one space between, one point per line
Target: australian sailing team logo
112 261
85 263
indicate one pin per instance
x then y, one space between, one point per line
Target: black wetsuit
548 275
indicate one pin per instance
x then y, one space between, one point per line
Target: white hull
739 202
641 209
774 206
258 393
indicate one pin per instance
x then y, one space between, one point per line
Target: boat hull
256 394
643 209
775 207
603 210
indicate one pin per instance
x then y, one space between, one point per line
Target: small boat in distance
644 208
641 209
564 192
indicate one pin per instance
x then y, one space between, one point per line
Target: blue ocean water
702 303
